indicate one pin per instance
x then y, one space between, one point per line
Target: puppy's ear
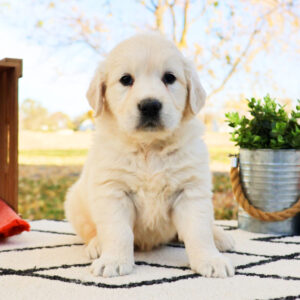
196 94
96 90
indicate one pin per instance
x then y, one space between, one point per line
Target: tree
223 37
58 121
33 116
239 31
89 115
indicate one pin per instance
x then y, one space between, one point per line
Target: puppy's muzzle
149 113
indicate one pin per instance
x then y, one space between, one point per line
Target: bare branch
236 63
257 29
159 15
201 14
154 5
182 42
152 9
171 7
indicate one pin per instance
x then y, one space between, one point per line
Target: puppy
147 179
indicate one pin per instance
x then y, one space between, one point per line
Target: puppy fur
143 187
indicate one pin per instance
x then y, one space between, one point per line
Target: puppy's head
147 86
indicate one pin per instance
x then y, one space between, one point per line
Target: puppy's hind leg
93 249
223 240
79 217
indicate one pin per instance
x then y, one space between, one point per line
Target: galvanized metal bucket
271 182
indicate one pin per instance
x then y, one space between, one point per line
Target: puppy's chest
154 188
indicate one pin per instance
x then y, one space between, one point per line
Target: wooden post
10 72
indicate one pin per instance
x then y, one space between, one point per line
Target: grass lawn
46 174
60 157
221 155
65 157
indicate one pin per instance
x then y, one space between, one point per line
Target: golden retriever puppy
147 177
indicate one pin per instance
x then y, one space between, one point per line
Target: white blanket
49 263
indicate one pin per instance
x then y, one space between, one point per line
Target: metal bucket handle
250 209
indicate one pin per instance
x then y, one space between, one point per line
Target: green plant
269 128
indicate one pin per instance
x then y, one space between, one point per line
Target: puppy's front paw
92 250
223 240
108 266
213 266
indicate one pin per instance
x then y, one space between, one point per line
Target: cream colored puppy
147 177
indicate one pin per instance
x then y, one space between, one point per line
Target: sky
58 77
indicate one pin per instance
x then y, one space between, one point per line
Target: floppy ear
96 90
196 94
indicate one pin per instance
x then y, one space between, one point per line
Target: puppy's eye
168 78
127 80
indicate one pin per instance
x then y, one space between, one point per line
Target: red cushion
10 222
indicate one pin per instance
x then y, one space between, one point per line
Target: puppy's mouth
147 124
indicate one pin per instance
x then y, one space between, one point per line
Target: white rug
49 263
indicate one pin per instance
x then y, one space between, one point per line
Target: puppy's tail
223 240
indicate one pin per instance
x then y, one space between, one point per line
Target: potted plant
267 185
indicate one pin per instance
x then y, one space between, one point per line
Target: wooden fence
10 72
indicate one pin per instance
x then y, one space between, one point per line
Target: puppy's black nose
149 107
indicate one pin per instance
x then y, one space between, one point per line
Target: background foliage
46 172
239 47
42 196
